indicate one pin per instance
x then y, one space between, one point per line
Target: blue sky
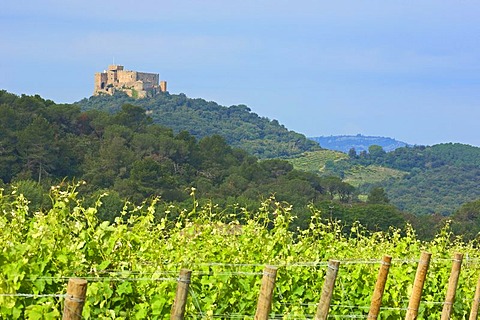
409 70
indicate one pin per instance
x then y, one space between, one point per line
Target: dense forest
130 158
440 178
124 155
237 124
422 180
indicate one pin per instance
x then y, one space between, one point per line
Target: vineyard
314 161
324 160
132 264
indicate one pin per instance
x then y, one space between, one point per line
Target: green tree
466 220
337 188
376 152
216 157
377 195
352 153
133 117
34 192
276 167
9 160
151 178
112 160
37 149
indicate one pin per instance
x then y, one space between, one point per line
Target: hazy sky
409 70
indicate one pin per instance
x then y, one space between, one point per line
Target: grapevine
132 264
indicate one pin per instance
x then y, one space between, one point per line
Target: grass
356 175
314 161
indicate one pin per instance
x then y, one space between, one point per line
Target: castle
135 84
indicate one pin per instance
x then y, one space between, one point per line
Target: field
358 175
132 264
314 161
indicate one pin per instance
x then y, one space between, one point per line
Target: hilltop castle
133 83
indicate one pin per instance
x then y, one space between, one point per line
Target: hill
359 143
316 161
125 154
420 180
328 162
43 143
127 157
440 178
237 124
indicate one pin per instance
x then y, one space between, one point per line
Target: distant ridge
361 143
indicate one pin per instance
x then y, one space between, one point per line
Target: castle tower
163 86
100 81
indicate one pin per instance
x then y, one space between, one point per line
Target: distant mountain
240 127
359 142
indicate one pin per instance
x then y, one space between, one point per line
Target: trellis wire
234 273
293 264
97 279
32 295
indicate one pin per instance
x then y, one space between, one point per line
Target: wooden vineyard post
74 299
178 308
452 286
476 302
412 311
265 297
327 290
379 288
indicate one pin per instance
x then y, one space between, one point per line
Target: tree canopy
237 124
126 154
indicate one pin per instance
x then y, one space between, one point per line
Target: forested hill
238 125
126 156
358 142
440 178
129 157
423 180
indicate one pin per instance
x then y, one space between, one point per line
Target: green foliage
435 191
420 180
126 155
376 151
132 263
363 176
240 127
377 196
315 161
37 135
466 220
373 217
328 162
33 191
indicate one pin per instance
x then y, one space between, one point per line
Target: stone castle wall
150 79
133 83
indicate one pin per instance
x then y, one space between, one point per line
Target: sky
408 70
